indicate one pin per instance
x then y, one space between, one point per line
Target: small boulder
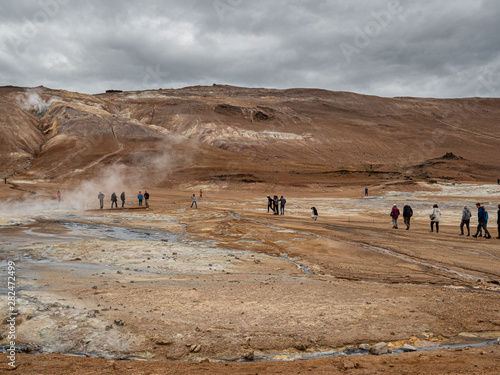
380 348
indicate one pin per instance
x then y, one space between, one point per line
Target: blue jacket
482 215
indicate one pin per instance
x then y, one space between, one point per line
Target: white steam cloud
31 101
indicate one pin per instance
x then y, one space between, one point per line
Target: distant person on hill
314 213
101 199
201 193
114 200
194 201
282 205
407 214
466 215
435 216
366 191
140 197
482 219
498 221
58 196
146 198
395 214
276 205
269 203
122 197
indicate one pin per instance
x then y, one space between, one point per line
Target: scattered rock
249 356
29 348
364 347
301 347
163 342
409 348
451 156
119 322
195 348
108 327
380 348
347 364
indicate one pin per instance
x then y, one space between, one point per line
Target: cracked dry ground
234 282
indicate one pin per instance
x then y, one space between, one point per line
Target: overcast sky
439 48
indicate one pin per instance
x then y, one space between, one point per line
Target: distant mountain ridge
291 136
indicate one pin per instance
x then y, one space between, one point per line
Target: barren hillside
223 133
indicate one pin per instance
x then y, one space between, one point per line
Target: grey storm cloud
442 48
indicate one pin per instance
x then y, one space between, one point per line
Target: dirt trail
230 282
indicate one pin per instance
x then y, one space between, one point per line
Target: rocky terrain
228 287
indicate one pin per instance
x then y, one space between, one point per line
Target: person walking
366 191
407 214
466 215
114 200
395 214
282 205
140 197
269 203
435 216
498 221
101 199
146 198
314 213
201 193
194 201
122 197
482 220
276 205
58 196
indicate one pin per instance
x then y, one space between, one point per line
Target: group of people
276 205
435 217
114 199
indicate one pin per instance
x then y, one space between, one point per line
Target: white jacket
437 214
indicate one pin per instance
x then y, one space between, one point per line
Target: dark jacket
407 211
146 195
498 218
113 197
481 216
122 197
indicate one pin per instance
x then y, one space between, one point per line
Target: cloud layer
441 48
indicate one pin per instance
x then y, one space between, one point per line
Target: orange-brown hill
224 133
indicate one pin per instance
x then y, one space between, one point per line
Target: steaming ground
229 281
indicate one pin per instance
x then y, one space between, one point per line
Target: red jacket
395 212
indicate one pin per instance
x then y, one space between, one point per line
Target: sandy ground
172 286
